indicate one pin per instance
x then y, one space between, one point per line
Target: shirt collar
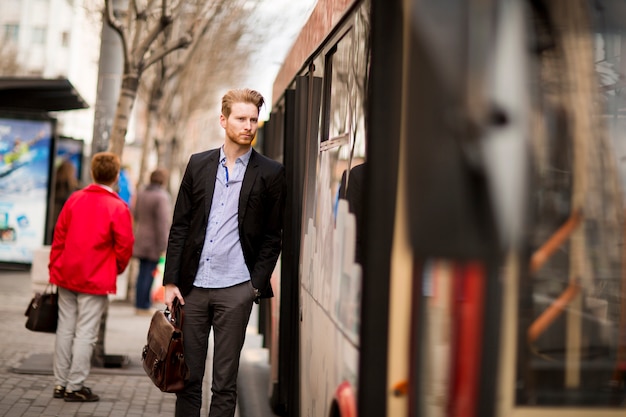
245 158
106 187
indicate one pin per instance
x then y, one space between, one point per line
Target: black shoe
59 391
84 395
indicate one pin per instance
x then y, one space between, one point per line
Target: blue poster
70 149
24 180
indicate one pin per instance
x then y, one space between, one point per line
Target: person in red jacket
92 245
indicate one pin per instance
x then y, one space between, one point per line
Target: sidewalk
26 365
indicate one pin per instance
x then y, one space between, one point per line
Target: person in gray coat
153 215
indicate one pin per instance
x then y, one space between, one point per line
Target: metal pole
109 82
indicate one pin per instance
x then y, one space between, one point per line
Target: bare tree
195 101
163 80
139 28
186 83
182 92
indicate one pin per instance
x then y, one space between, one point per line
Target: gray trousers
77 332
227 310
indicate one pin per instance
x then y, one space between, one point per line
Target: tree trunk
130 85
149 139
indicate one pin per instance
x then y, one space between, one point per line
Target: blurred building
51 39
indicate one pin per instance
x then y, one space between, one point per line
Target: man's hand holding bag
163 356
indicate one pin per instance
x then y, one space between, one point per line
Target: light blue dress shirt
222 263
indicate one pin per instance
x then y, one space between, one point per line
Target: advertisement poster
70 149
24 176
67 162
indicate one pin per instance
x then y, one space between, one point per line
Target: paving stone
123 392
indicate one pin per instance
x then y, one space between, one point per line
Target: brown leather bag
163 356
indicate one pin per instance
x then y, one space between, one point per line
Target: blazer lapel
212 164
246 187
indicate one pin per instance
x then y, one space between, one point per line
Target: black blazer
261 205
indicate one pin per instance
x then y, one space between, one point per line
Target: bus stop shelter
36 94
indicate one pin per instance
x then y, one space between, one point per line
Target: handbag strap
52 287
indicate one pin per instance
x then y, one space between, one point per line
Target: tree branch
173 73
117 26
181 42
141 50
197 35
141 17
135 6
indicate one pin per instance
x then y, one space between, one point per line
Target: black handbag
43 312
163 356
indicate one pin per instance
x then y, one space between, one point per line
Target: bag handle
175 316
53 289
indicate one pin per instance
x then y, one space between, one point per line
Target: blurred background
65 63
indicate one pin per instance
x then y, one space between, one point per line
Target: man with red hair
92 245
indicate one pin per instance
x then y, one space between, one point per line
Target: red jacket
93 242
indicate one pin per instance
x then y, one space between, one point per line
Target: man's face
242 124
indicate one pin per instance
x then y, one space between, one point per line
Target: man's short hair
244 95
158 176
105 167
